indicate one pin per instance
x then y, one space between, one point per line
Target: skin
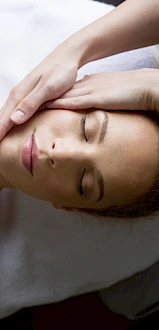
126 157
57 73
133 90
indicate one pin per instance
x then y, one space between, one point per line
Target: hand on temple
118 31
129 90
49 80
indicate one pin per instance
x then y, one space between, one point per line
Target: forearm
133 24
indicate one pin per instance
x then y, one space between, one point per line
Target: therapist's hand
49 80
130 90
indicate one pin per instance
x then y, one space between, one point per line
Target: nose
66 152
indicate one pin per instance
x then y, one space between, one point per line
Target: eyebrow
103 128
99 174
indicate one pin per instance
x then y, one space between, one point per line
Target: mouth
29 153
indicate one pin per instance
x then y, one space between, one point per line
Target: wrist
148 89
76 48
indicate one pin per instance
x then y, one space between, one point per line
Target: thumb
28 106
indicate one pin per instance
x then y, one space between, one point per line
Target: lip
29 153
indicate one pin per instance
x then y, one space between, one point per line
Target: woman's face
82 159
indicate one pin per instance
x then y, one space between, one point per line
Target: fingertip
18 117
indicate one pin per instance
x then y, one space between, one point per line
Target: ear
66 208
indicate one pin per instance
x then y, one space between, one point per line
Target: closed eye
83 122
80 184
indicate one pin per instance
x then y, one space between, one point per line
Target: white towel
155 54
48 255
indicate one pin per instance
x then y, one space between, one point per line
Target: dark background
112 2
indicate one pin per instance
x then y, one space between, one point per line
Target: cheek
62 193
59 194
9 158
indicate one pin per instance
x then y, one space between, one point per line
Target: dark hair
140 206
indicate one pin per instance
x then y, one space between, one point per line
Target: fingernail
17 116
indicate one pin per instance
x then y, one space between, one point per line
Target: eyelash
80 185
84 134
83 127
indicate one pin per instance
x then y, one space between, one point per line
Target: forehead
63 115
128 137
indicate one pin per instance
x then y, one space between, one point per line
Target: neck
4 183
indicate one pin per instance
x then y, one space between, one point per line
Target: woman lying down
102 163
105 163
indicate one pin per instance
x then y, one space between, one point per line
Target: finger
28 106
69 94
76 92
80 102
5 127
44 91
15 96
